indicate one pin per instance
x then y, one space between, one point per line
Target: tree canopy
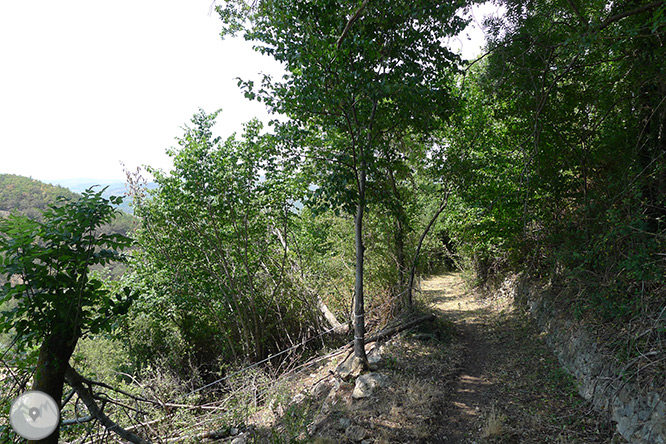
357 76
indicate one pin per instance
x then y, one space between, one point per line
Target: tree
358 74
56 299
216 253
570 178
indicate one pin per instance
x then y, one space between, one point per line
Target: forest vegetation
546 156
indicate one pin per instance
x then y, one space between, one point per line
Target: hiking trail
509 387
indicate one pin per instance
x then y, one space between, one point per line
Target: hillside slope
29 196
481 373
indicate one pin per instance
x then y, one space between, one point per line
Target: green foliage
559 151
357 77
359 80
47 264
31 197
51 298
216 248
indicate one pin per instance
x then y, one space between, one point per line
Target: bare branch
631 12
77 382
351 21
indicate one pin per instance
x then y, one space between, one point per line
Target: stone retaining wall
640 415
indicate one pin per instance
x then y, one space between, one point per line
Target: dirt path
509 387
478 374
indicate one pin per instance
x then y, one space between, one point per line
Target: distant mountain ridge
30 196
114 188
80 184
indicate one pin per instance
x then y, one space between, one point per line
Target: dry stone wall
640 414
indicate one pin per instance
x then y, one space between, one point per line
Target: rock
344 423
234 431
321 389
316 423
350 367
375 355
355 433
300 397
240 439
366 385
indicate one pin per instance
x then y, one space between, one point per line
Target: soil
509 388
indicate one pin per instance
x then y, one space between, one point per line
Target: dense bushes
561 158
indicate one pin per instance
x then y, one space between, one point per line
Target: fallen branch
387 333
338 328
90 382
214 435
68 422
346 368
77 382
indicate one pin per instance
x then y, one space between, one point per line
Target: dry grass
493 425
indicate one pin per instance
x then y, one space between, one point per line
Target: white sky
85 84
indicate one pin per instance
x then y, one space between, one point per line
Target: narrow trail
509 387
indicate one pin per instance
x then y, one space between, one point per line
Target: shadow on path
509 388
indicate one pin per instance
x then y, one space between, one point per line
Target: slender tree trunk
359 313
412 272
400 252
49 378
400 217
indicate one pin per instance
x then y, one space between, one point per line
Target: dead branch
73 421
387 333
77 381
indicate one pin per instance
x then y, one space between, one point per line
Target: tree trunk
49 378
400 217
359 313
412 272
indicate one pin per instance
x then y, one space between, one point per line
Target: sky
86 84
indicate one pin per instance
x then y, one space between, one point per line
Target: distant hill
30 197
27 195
115 188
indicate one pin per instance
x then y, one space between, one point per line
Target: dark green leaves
47 267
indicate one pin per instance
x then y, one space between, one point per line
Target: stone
321 389
240 439
300 397
366 385
624 427
316 423
344 423
234 431
355 433
350 367
375 355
